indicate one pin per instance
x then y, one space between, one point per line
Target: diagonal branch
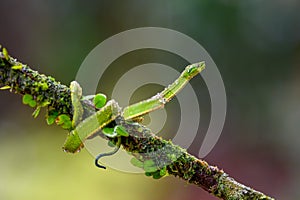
46 92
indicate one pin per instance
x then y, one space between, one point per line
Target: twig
20 79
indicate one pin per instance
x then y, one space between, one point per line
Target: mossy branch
44 91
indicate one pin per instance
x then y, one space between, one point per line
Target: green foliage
115 131
40 86
64 121
163 172
28 99
52 115
5 87
38 109
158 173
172 157
44 86
109 132
121 131
150 168
32 103
36 112
135 162
148 173
44 104
111 144
17 67
5 53
100 100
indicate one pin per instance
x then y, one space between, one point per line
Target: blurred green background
255 44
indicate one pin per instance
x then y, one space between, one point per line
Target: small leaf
67 125
44 86
32 103
150 168
149 163
50 119
111 144
17 67
163 171
62 118
121 131
5 87
44 104
64 121
156 175
172 157
52 115
36 112
148 173
136 162
27 98
5 53
109 132
99 100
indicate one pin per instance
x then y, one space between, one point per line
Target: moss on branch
19 78
46 92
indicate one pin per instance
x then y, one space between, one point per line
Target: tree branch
47 92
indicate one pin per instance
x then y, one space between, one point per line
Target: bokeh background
255 44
